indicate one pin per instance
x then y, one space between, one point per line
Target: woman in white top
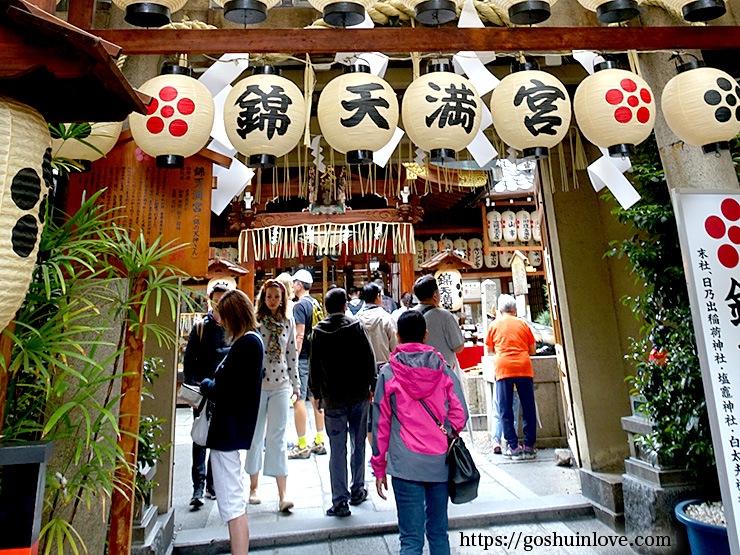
279 381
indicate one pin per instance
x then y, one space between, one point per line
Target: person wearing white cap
303 316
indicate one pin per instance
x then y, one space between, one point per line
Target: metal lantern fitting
149 14
528 12
702 106
25 178
264 116
698 10
101 135
357 113
179 119
612 11
441 113
615 109
246 12
434 12
342 13
530 110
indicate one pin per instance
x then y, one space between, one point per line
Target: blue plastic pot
704 539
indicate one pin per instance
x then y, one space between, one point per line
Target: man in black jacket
342 377
205 350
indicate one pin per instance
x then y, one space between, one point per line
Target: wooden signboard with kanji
172 204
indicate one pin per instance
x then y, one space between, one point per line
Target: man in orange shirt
512 343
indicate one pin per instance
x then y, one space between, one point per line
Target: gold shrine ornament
179 118
530 110
25 177
358 113
701 105
264 116
615 109
441 112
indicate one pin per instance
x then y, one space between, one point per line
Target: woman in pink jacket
407 444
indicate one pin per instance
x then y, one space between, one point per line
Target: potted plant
705 526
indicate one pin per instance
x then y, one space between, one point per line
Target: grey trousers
340 421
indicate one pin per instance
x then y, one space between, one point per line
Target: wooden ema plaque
173 204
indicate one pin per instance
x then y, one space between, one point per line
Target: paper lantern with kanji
702 106
441 113
264 116
475 248
450 289
535 258
523 226
536 233
419 256
615 109
504 258
612 11
495 231
179 119
447 244
491 260
101 135
461 245
530 110
358 113
149 14
342 13
508 225
698 10
527 12
25 178
430 248
434 12
246 12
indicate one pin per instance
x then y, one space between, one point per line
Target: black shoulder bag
463 476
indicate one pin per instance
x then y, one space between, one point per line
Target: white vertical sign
709 230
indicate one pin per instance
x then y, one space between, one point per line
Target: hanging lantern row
509 226
358 112
472 249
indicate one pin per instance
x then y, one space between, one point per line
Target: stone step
215 541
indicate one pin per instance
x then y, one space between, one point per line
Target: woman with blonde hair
279 382
287 280
233 397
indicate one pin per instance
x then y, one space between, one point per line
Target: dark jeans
201 473
422 506
504 396
341 421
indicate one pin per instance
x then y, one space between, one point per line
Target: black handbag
463 477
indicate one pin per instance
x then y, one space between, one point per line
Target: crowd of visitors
368 367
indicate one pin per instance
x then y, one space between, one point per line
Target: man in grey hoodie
380 326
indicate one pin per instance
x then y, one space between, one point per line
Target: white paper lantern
698 10
536 233
615 109
441 113
508 226
535 258
450 289
504 258
149 14
358 113
342 13
523 226
447 244
178 121
495 226
102 135
491 260
527 12
430 248
25 178
246 12
531 111
419 256
434 12
475 248
461 245
264 116
612 11
702 106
